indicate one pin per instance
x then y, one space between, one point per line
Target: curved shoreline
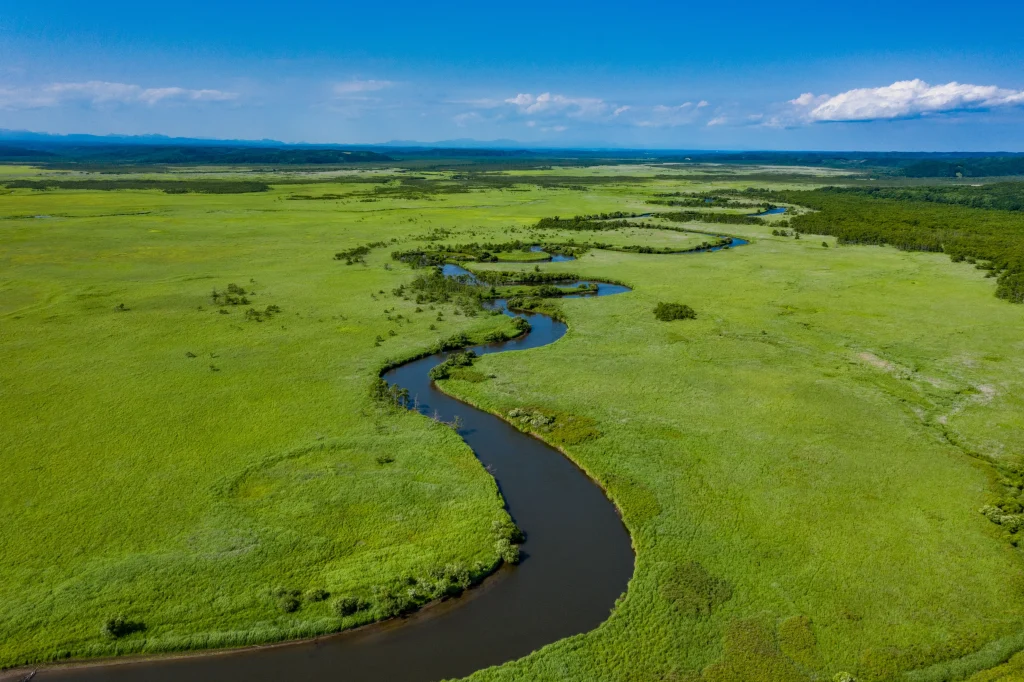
578 559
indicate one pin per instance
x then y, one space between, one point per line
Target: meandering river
576 561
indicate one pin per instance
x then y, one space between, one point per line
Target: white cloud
621 110
103 92
717 121
464 119
664 116
357 87
481 103
548 104
904 99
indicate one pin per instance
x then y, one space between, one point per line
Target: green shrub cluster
254 315
233 295
666 312
600 221
357 254
507 538
634 248
434 287
536 304
482 252
507 277
391 395
443 370
559 427
520 326
711 217
119 626
695 200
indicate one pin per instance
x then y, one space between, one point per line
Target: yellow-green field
801 468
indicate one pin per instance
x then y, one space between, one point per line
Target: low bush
347 605
119 626
443 371
317 595
391 395
287 600
666 312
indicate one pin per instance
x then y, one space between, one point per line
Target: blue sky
725 75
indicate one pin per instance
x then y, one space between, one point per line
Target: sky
878 76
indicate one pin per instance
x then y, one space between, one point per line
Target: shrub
666 312
508 552
443 371
391 395
317 595
287 600
392 602
119 626
288 604
346 606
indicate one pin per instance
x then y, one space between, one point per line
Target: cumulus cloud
357 87
904 99
103 92
717 121
548 104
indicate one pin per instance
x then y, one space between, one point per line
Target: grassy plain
784 462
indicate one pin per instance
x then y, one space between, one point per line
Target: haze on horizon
910 76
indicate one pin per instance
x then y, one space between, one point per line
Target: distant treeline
992 239
711 217
696 200
908 164
967 168
506 277
475 251
613 221
168 186
597 221
188 154
1002 196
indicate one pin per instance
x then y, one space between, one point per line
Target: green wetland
820 468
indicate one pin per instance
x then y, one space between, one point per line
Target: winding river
576 561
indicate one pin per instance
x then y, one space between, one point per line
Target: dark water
555 258
577 560
733 243
771 211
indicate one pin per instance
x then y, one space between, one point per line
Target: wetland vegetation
820 466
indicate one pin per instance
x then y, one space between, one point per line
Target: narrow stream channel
576 561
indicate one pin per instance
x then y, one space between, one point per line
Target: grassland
802 467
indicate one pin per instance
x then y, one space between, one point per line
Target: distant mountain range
106 150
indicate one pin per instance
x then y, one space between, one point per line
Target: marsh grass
802 469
